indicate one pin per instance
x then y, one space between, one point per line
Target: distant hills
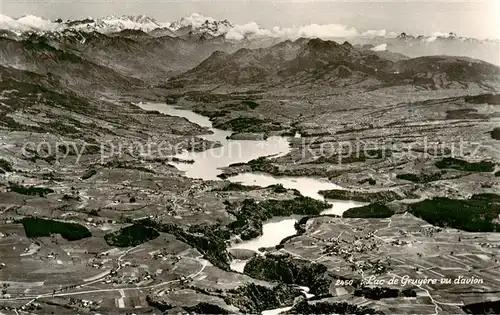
327 62
136 54
72 70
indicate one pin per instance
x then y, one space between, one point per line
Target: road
203 262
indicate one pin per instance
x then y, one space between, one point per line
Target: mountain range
315 61
197 26
118 54
201 24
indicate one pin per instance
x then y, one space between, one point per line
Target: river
207 166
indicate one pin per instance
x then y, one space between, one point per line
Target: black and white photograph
249 157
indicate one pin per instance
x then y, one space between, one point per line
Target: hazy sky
479 19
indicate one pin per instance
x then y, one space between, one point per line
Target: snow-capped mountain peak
27 23
435 36
36 22
110 24
207 27
200 24
195 20
6 22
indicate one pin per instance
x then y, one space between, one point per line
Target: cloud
253 30
442 34
239 32
374 33
194 20
36 22
326 31
381 47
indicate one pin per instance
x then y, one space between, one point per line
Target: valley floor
185 268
